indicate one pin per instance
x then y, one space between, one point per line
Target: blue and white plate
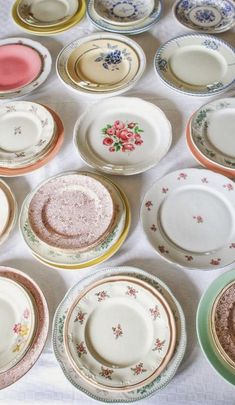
196 64
207 16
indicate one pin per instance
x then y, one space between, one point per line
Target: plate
101 64
24 71
207 16
131 29
204 333
123 12
196 64
5 211
42 325
17 323
9 207
134 135
136 394
188 217
46 13
122 330
85 225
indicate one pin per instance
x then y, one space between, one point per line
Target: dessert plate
84 225
17 323
122 330
91 390
207 16
123 135
101 64
9 211
197 65
31 70
189 218
123 12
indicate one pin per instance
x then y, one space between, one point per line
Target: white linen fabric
195 382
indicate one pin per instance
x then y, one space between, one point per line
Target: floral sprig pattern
117 331
122 136
138 369
158 346
80 317
81 349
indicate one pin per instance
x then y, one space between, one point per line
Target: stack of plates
124 16
210 136
119 335
24 323
101 64
215 325
24 65
47 17
89 232
30 136
188 217
8 211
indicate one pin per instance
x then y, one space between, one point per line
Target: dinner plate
9 211
204 332
84 225
122 330
26 73
101 64
134 135
123 12
41 326
17 323
119 396
131 29
196 64
46 13
207 16
188 217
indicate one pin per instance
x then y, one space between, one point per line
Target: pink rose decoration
111 149
110 131
131 125
107 141
127 147
122 136
17 327
119 124
139 142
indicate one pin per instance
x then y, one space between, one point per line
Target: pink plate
15 373
19 66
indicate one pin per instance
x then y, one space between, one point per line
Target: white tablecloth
195 382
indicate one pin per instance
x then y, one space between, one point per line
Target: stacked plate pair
124 16
24 320
47 17
24 66
119 335
210 136
30 136
101 64
8 211
188 217
215 325
75 220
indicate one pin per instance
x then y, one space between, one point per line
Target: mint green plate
203 327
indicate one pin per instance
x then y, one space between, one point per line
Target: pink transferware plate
42 325
73 211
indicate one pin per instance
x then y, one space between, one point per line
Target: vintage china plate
134 135
101 64
17 323
207 16
20 73
119 334
85 225
123 12
9 211
196 64
119 396
46 13
204 333
189 218
131 29
41 326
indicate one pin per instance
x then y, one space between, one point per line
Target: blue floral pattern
111 59
211 44
205 15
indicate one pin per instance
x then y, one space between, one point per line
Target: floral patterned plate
207 16
9 219
101 64
119 396
189 218
17 320
119 334
196 64
134 135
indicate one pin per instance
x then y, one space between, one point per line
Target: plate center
221 131
205 16
124 9
49 10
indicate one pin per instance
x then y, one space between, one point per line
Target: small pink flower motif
102 295
131 125
117 331
198 218
106 373
232 246
139 141
123 135
158 345
204 180
182 176
17 328
189 258
128 147
228 186
148 205
162 249
110 131
154 312
138 369
81 349
153 228
107 141
80 317
119 124
111 149
215 262
131 291
26 313
130 135
165 190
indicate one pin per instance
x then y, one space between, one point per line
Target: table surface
196 382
